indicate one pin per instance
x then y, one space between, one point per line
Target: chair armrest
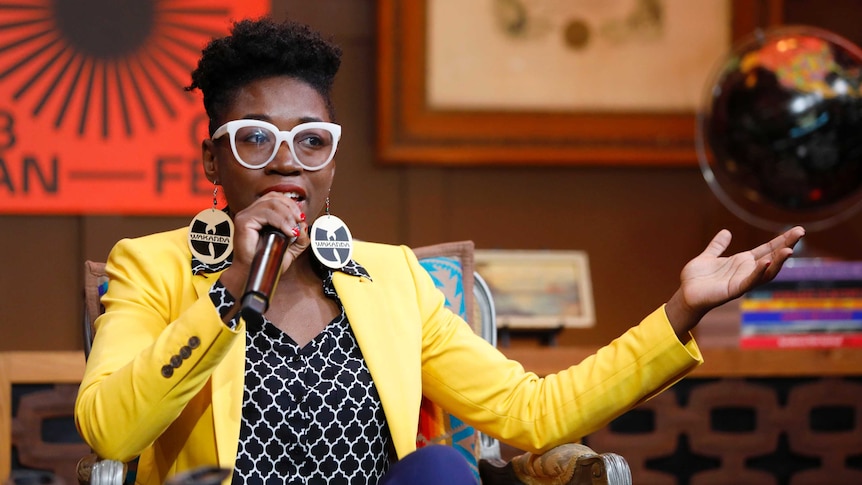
570 464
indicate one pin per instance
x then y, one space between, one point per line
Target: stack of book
812 303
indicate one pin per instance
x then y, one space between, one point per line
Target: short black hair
262 48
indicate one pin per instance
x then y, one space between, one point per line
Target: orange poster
93 115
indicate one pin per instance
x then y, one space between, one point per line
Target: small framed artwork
538 290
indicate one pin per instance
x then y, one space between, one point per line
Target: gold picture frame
538 289
412 132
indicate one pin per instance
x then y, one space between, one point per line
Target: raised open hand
711 279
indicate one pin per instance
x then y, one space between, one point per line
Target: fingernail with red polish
296 231
302 216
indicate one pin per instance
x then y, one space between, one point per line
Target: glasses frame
230 128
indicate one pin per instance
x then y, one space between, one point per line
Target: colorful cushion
451 268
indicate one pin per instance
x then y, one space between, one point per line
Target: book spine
829 340
767 292
801 315
783 304
800 328
827 270
851 288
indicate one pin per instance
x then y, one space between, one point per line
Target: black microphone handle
264 273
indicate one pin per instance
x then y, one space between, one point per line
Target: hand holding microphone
264 272
265 230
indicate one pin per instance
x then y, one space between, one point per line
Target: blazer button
176 361
194 342
167 371
185 351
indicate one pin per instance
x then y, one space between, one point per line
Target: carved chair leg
571 464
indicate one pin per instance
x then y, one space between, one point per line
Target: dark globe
779 133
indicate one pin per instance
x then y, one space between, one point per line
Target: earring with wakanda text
211 234
331 240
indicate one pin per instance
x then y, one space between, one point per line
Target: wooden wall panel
638 225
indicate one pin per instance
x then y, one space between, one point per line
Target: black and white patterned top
310 414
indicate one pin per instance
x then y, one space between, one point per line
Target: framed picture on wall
538 289
529 82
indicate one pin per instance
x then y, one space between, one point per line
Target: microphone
264 273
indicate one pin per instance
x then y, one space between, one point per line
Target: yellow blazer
133 402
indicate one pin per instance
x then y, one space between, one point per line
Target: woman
327 386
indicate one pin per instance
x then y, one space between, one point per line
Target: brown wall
638 225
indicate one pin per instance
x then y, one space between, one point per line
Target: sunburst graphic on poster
93 115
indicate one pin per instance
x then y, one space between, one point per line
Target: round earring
331 240
211 234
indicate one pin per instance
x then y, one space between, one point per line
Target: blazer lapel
227 383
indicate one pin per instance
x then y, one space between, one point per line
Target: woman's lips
293 192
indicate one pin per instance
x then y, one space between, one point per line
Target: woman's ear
208 158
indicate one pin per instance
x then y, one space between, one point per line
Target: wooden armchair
451 267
